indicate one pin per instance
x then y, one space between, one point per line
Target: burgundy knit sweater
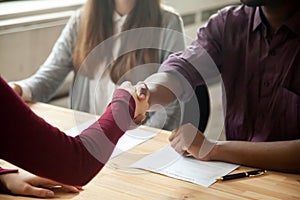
31 143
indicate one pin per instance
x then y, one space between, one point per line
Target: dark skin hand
278 155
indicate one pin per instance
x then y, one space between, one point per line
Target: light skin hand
141 103
16 88
24 183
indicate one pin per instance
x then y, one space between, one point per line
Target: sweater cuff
6 171
3 189
121 95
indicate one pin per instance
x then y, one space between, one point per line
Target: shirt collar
292 23
257 19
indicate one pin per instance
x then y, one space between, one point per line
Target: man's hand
141 100
187 139
27 184
142 91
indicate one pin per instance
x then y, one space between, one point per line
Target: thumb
142 91
173 134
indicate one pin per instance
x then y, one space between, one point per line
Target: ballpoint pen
242 174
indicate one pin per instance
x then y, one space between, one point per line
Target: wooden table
116 182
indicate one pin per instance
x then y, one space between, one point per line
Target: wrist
215 152
122 95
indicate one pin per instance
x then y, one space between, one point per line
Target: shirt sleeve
44 83
200 62
292 79
32 144
172 40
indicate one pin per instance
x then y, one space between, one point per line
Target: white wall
22 52
28 30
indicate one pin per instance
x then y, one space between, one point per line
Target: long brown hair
96 25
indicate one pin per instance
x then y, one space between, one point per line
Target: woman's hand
188 140
24 183
16 88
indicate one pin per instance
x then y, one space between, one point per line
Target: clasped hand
24 183
186 139
141 95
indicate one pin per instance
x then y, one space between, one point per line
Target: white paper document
129 140
78 129
168 162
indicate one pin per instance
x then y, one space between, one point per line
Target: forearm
164 88
101 138
34 145
279 156
42 85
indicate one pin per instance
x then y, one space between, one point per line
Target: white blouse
101 90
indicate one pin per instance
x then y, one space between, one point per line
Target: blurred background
29 29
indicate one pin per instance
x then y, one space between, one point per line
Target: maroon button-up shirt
261 75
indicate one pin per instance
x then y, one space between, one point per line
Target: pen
242 174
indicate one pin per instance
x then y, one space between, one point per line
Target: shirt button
272 53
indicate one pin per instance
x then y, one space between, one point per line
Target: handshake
141 94
186 139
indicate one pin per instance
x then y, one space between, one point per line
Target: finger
173 134
175 142
50 183
187 154
142 91
139 119
79 187
70 188
30 190
179 149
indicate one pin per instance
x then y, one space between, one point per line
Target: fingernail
76 190
49 194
